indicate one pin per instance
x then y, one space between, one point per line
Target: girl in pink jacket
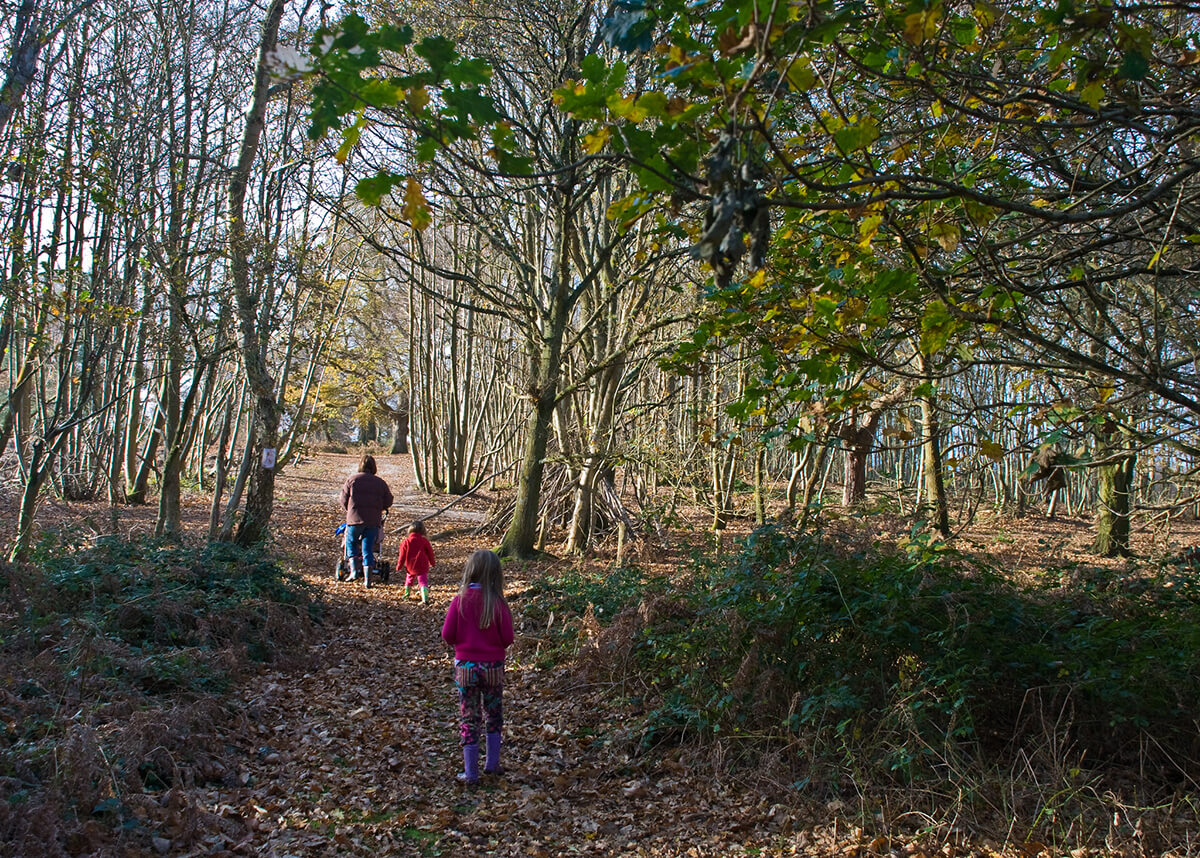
416 559
479 627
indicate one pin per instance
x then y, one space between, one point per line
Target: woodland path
355 752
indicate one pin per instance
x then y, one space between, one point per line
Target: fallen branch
466 494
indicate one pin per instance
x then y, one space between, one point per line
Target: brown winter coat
365 497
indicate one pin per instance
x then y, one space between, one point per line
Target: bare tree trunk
135 489
1114 487
857 442
261 497
221 470
522 534
799 465
400 429
931 451
812 484
760 489
546 355
22 67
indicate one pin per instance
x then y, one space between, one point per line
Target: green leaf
513 165
593 68
800 77
1134 65
427 149
470 104
395 38
938 325
469 73
1092 94
859 136
966 31
373 189
381 93
439 52
654 104
991 449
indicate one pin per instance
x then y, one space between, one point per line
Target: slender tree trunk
546 355
261 496
931 451
220 471
760 485
39 470
799 466
22 66
169 488
521 537
135 493
400 429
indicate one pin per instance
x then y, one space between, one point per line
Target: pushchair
341 570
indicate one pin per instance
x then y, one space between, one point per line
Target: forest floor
354 751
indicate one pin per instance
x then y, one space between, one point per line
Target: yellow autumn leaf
946 235
992 450
596 140
416 208
867 230
625 107
417 98
920 26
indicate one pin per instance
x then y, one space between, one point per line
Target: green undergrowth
155 617
927 672
907 663
115 657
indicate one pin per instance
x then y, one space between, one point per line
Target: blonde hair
483 568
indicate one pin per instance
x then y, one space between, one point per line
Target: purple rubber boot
470 773
493 766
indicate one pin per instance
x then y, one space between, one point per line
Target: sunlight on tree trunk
260 498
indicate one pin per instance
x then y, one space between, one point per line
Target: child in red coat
416 559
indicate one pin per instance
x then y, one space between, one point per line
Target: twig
467 493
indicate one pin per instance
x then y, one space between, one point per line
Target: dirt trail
356 754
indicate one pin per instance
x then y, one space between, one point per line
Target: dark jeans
361 541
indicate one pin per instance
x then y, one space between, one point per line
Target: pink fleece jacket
471 643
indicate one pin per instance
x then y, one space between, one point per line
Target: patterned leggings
480 687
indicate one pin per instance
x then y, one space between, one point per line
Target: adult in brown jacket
366 497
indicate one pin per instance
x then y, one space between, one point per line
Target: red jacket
416 554
365 497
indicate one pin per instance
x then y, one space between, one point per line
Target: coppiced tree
531 197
